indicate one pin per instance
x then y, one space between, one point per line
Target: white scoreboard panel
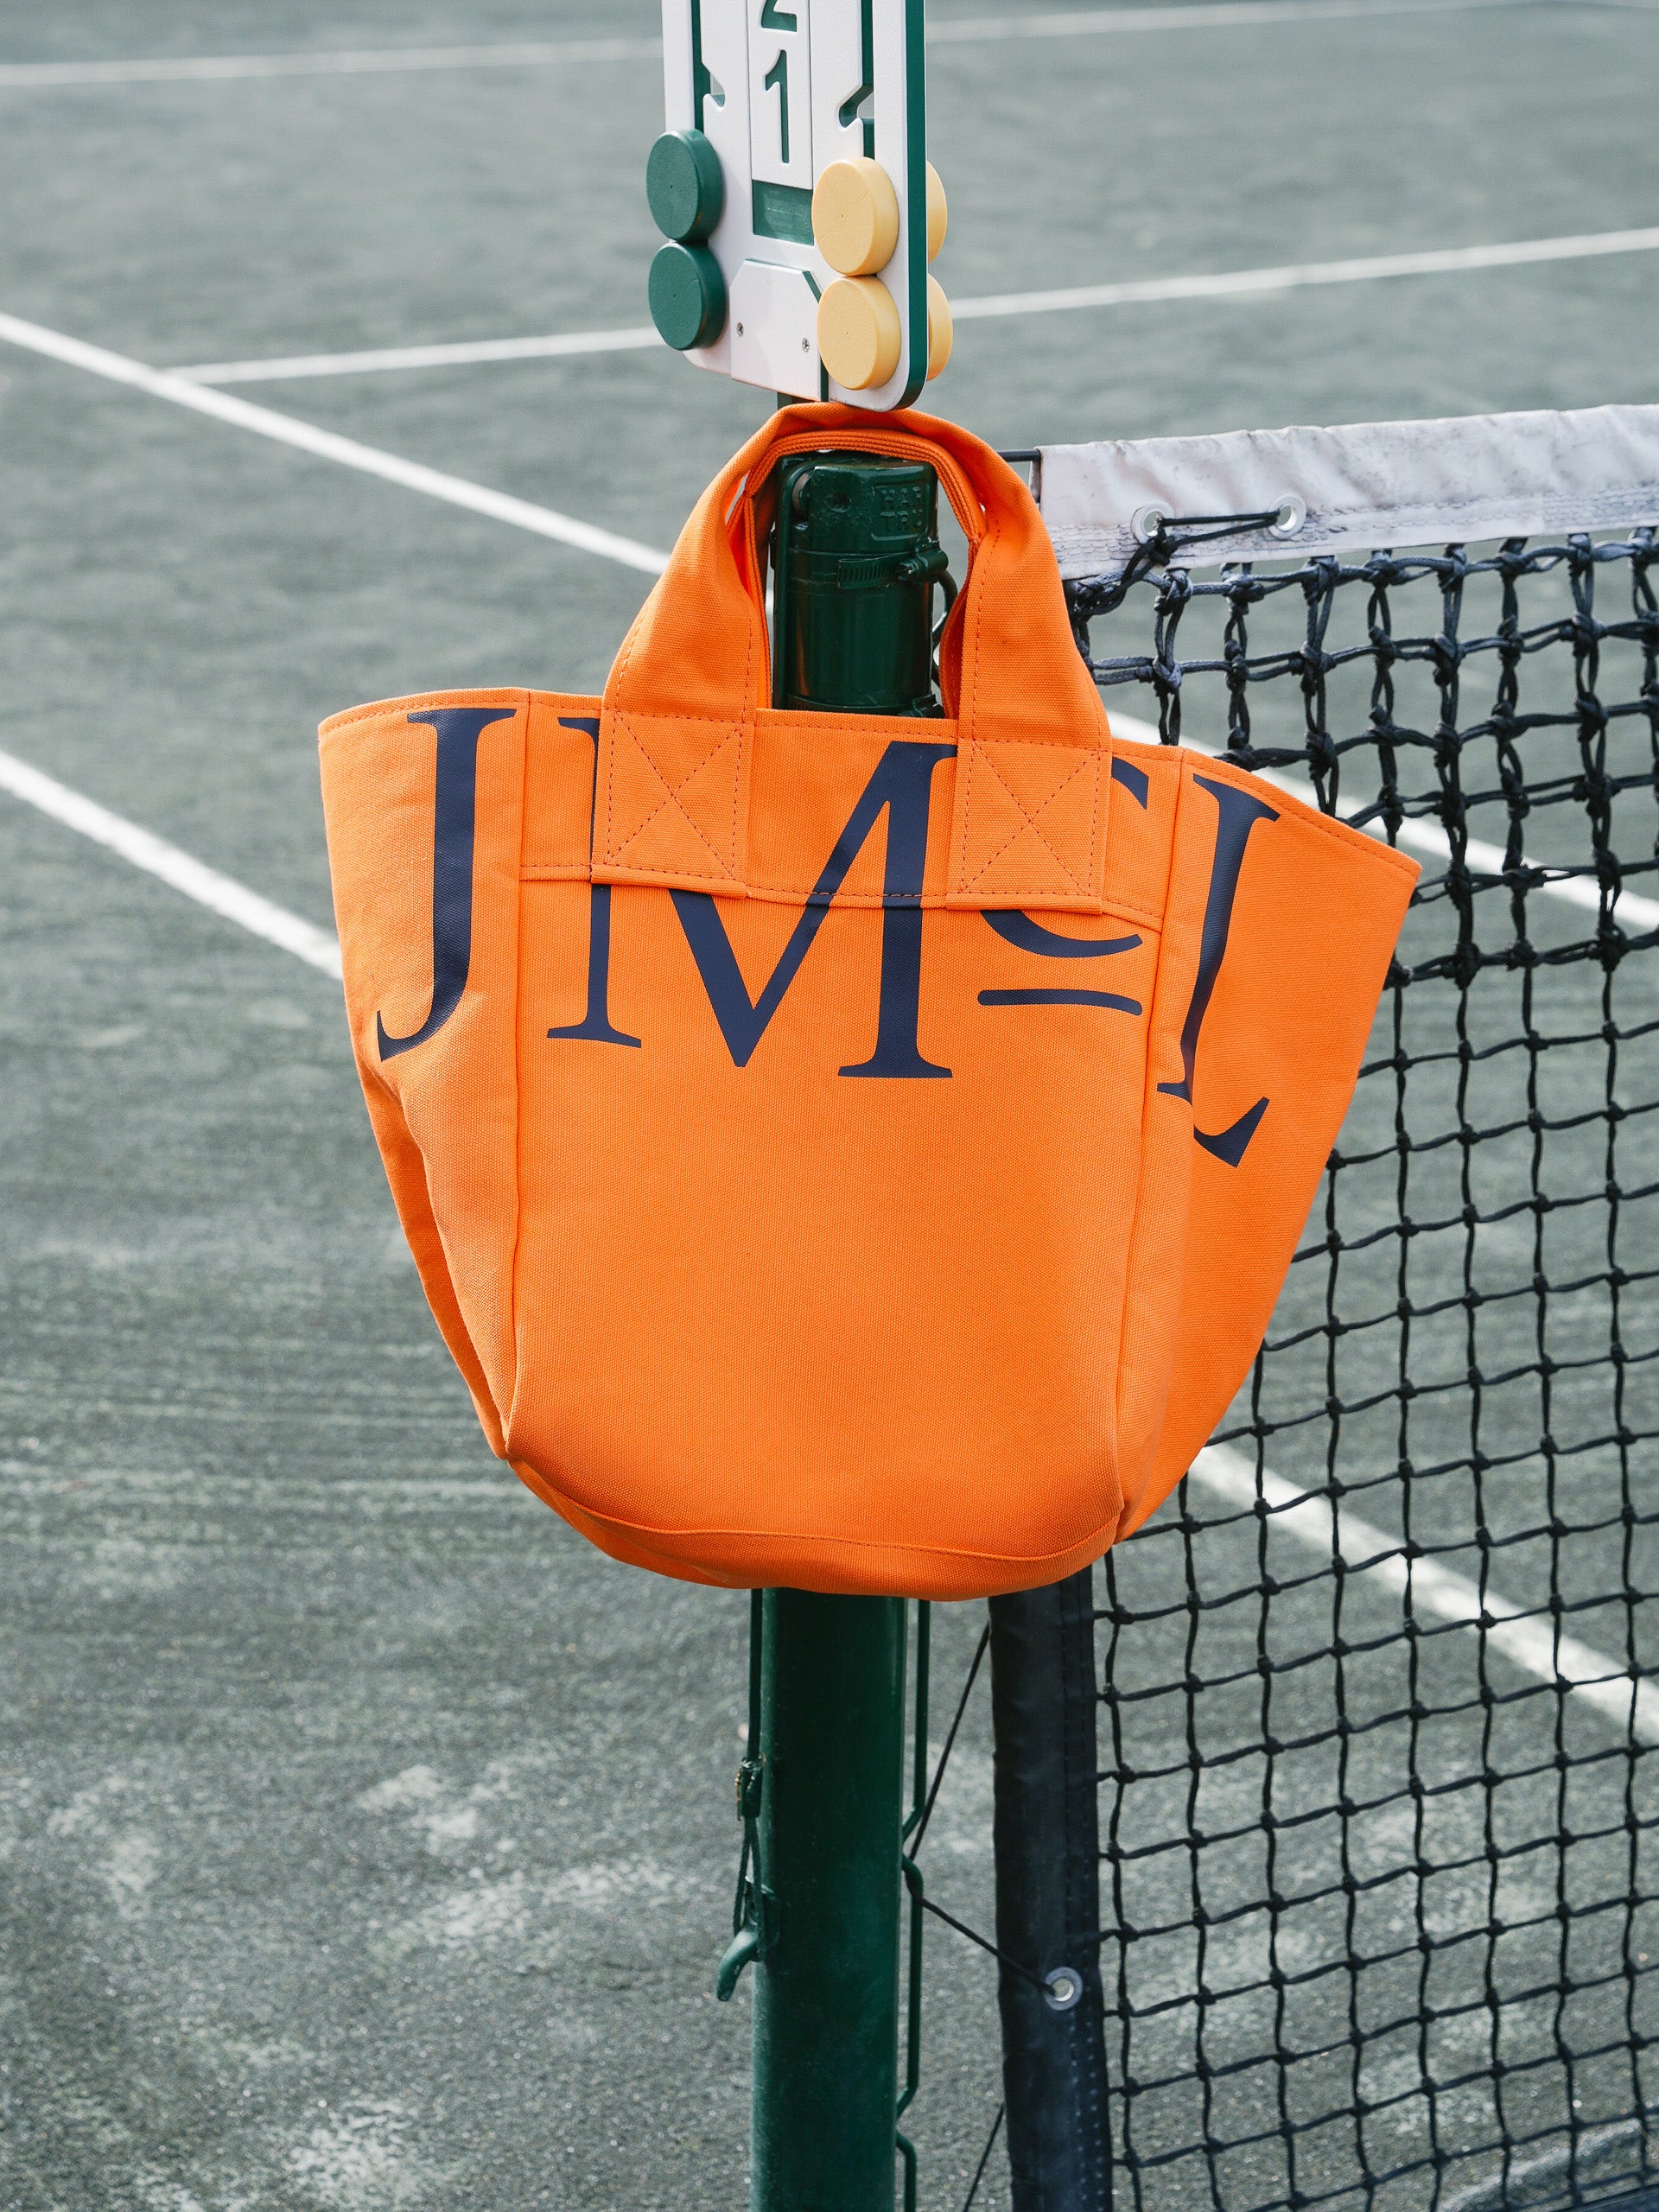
781 90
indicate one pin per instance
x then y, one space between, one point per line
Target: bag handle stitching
728 528
727 867
1028 821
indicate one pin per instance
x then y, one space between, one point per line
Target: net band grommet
1062 1989
1150 522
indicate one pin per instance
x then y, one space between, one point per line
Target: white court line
1139 291
1528 1641
459 355
1497 2189
1205 14
1632 910
1438 262
962 30
375 61
327 445
221 894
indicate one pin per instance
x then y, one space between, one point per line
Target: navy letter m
902 784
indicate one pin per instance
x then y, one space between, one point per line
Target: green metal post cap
684 186
688 297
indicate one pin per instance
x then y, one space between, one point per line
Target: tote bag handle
693 675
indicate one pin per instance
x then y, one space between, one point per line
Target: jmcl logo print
901 786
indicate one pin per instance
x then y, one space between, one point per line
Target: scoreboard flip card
793 187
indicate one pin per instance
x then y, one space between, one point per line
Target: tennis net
1380 1901
1380 1908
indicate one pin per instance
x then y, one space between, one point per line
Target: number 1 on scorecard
781 97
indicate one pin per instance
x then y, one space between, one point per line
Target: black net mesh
1378 1799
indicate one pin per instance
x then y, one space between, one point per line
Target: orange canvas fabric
852 1154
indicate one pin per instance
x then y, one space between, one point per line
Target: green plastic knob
688 297
684 186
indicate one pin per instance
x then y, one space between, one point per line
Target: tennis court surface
366 1839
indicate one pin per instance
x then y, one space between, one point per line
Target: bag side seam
1149 1103
518 1087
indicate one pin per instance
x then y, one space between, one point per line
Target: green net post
826 1999
857 559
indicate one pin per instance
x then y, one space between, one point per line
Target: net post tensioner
801 213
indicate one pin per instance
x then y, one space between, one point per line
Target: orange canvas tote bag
848 1153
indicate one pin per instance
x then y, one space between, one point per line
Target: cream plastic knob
939 214
855 216
859 334
941 327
